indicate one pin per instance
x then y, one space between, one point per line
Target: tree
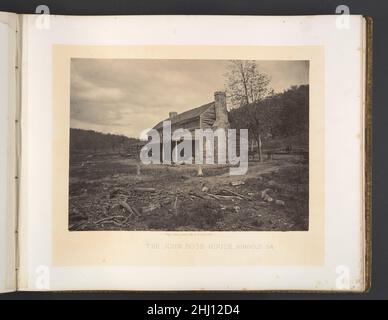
283 116
262 119
295 114
245 83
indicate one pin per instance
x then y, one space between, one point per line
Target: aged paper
187 248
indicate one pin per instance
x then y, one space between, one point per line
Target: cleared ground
106 193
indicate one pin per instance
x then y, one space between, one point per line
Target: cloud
127 96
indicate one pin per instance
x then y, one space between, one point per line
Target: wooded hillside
81 140
278 120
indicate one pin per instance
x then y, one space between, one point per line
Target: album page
8 43
193 153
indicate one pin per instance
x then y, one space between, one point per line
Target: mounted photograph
154 153
189 145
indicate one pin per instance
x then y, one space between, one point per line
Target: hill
93 141
278 121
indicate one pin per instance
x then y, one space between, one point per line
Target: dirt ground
106 193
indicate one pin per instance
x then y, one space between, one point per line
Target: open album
185 153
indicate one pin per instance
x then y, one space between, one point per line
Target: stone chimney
172 114
221 111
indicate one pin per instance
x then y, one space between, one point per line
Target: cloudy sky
125 96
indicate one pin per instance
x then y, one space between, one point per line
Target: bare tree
246 87
245 83
262 118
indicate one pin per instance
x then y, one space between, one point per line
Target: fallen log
197 195
207 197
227 197
237 194
214 196
109 218
237 183
120 225
140 189
131 210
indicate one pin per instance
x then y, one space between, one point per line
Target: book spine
368 151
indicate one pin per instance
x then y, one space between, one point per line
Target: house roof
186 116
